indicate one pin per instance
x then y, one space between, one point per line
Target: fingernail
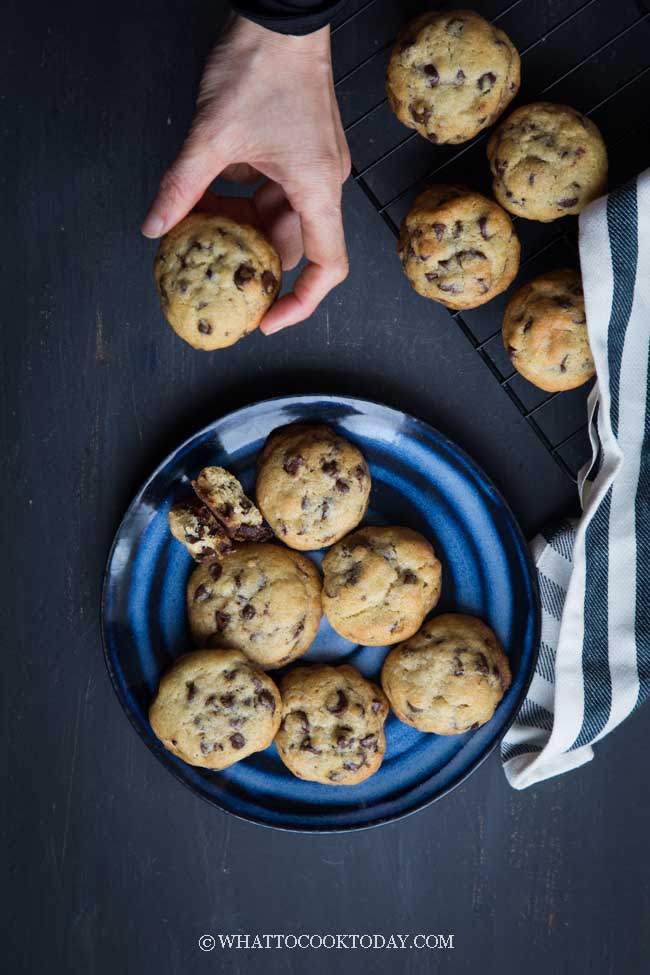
153 225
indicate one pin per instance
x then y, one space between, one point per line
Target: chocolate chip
528 325
334 776
206 747
191 689
248 612
291 463
245 505
481 665
486 81
237 578
307 746
459 670
482 226
231 674
340 705
455 26
227 701
192 539
453 288
345 739
563 364
354 574
183 286
353 766
298 630
375 707
243 275
412 707
303 719
254 533
222 620
432 73
269 282
432 137
341 486
325 507
568 201
484 287
370 741
201 593
460 76
215 571
431 276
205 328
206 554
329 467
267 700
439 230
563 302
458 227
409 578
237 741
531 179
474 726
420 115
360 473
500 165
208 273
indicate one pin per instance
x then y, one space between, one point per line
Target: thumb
183 185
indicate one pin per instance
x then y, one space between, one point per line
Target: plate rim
478 761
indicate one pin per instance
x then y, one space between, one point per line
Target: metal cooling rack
592 54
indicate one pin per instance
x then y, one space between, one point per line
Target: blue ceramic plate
421 480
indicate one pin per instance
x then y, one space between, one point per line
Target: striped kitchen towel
594 574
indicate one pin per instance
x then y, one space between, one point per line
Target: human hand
267 107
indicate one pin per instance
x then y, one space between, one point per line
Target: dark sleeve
298 17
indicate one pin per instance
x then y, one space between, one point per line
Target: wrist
248 34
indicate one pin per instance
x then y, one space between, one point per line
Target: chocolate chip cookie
449 677
215 707
224 496
332 728
262 599
545 332
312 485
194 526
457 247
216 279
451 75
547 161
379 584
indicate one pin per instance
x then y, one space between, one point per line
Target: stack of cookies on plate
255 605
450 76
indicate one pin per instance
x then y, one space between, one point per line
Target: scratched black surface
111 864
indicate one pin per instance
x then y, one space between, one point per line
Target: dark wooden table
112 865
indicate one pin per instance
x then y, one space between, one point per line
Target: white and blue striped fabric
594 574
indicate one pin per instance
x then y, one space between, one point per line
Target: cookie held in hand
332 728
457 247
449 677
216 279
215 707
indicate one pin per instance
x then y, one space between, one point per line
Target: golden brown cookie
312 485
545 332
332 728
216 279
547 161
261 599
451 74
215 707
449 677
379 584
457 247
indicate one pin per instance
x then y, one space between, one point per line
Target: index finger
324 240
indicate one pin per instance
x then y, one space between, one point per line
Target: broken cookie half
194 525
224 496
